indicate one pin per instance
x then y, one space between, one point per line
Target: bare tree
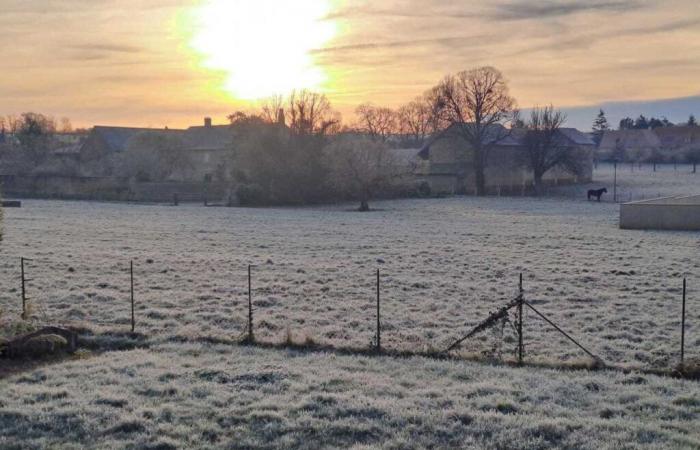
310 114
545 147
361 167
471 104
377 122
417 120
692 155
66 125
35 133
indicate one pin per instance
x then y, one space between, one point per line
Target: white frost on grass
190 395
445 265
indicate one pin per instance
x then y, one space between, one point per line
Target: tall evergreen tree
600 126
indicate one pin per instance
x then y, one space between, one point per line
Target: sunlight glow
263 46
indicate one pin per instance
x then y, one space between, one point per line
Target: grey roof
117 138
218 137
577 137
629 139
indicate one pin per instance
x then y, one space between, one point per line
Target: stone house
449 168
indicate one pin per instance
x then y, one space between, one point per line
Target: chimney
207 122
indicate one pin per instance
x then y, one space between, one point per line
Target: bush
251 195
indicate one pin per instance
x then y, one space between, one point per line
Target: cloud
541 9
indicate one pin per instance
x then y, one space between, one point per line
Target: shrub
251 195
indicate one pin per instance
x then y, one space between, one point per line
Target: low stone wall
671 213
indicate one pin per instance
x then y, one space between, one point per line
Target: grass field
445 264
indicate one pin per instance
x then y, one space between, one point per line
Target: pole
250 307
683 323
24 292
520 322
615 182
379 331
133 318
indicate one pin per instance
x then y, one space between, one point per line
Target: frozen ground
445 264
208 396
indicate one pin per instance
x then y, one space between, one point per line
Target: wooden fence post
683 323
379 330
133 316
520 321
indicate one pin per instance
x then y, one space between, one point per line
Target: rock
43 345
48 340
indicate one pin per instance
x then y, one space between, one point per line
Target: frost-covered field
445 264
193 396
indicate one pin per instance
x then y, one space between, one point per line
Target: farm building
667 213
449 168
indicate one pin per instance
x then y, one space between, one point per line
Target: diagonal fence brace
560 330
486 323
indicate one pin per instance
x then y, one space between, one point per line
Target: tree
692 122
416 121
600 126
35 134
378 123
472 104
361 167
641 123
545 147
626 124
66 126
284 163
692 155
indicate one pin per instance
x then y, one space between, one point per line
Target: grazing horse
597 193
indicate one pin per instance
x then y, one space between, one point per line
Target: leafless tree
546 148
361 167
66 125
377 122
692 155
472 104
310 114
417 120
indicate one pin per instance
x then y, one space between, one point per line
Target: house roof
678 136
629 139
218 137
117 138
501 136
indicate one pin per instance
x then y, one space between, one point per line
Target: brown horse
597 193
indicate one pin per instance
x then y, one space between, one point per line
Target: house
450 170
207 147
634 145
678 139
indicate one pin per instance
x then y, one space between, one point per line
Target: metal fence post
250 306
520 321
683 323
24 292
133 317
379 331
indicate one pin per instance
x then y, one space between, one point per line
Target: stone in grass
47 341
43 345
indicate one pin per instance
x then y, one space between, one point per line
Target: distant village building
662 144
449 168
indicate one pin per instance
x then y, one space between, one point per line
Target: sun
264 47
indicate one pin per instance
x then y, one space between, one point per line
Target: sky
170 63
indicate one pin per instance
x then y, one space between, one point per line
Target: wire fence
262 303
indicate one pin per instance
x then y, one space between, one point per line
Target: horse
597 193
